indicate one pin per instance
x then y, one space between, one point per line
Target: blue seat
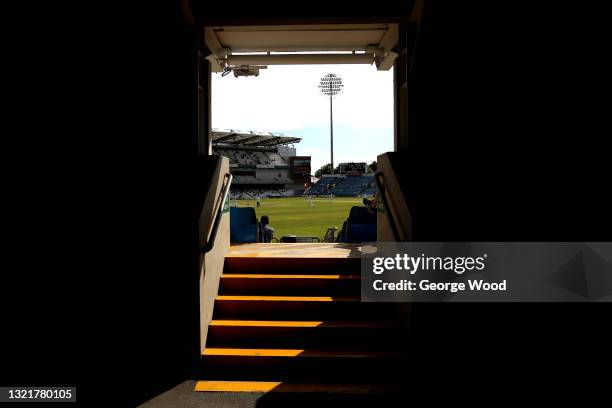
361 225
243 225
358 233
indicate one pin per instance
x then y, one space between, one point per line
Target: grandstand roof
246 138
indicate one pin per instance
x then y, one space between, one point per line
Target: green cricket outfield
294 216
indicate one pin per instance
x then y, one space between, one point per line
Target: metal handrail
390 217
224 192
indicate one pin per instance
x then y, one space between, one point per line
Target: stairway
288 319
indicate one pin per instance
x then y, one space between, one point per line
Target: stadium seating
243 158
321 186
252 157
276 159
260 161
351 186
243 225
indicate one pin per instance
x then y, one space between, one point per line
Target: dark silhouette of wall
504 144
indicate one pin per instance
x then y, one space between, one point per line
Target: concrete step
302 334
323 308
325 366
303 266
289 284
298 353
286 387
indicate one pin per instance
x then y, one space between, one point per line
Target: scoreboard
351 169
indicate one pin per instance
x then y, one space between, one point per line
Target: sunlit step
278 386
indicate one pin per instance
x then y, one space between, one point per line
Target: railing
383 196
215 227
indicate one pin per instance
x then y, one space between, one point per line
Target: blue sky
286 99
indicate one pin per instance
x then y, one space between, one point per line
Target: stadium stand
254 193
350 186
370 189
320 187
263 164
266 165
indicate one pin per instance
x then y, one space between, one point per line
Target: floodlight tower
331 85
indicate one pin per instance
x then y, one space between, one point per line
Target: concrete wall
389 166
212 262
